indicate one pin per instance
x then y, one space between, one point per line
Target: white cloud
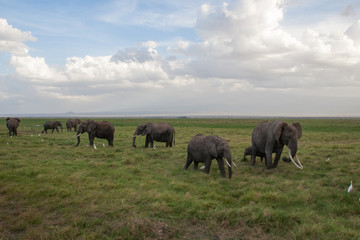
172 14
246 40
243 54
11 39
35 69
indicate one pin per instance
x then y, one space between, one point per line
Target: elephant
12 124
247 152
52 125
72 123
102 130
204 149
270 137
161 132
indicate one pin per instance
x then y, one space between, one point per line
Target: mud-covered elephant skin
95 129
52 125
206 148
271 137
160 132
12 124
72 123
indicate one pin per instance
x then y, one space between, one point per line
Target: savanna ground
51 190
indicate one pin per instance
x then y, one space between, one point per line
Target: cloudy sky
238 57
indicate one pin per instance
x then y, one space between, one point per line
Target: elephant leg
91 139
220 162
268 161
151 142
111 142
277 157
57 129
15 132
207 166
188 162
196 165
147 141
253 156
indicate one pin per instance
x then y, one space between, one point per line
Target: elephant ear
221 148
148 129
91 126
278 130
17 119
7 119
299 129
210 146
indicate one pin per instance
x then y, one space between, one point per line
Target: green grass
51 190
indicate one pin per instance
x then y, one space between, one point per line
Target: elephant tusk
234 163
227 162
135 136
78 135
298 166
299 161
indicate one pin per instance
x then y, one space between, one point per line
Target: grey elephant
206 148
248 151
271 137
12 124
72 123
160 132
52 125
94 129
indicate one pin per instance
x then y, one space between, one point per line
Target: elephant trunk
78 138
134 138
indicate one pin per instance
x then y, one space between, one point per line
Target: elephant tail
174 137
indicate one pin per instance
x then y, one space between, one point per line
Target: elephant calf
72 123
248 150
12 124
204 149
52 125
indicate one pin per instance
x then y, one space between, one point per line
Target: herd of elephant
267 138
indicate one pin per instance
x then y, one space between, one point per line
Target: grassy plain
51 190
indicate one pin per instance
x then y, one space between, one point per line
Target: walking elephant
52 125
12 124
204 149
160 132
270 137
72 123
94 129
